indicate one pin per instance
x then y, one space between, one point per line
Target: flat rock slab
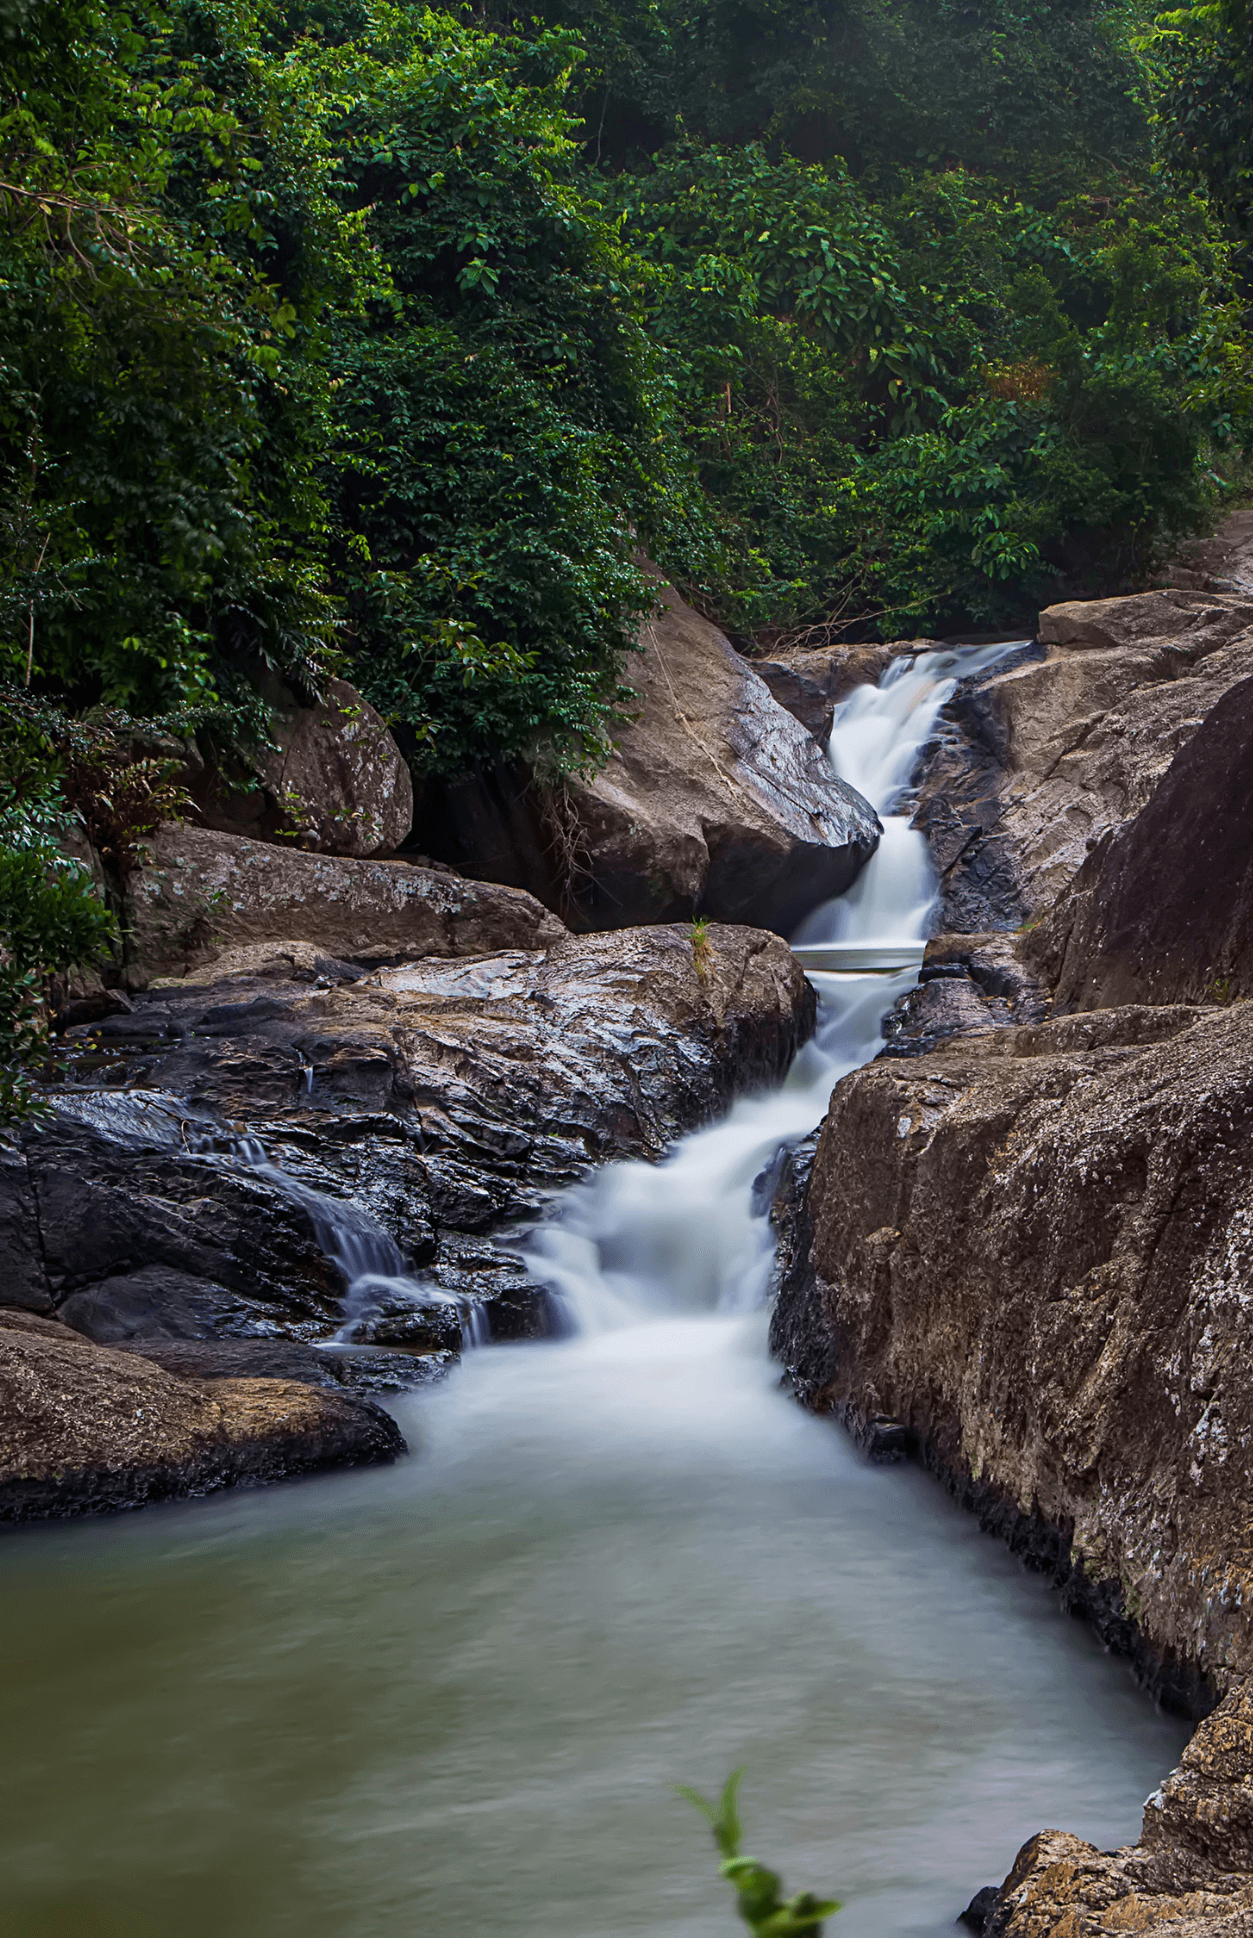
86 1430
204 894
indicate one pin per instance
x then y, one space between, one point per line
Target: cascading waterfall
455 1695
690 1234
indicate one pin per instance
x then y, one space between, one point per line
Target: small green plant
702 947
757 1889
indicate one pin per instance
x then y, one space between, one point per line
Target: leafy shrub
51 917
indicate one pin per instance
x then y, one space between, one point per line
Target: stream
451 1699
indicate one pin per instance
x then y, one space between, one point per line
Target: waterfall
691 1234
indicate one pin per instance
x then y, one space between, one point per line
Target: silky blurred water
452 1699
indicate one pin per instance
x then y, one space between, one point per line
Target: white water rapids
644 1240
451 1699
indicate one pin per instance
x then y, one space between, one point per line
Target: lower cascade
623 1560
691 1234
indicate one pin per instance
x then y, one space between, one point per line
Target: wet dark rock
714 802
85 1429
398 1318
967 984
409 1116
209 1359
1162 912
978 1913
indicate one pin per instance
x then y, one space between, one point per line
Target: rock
715 802
1194 625
203 894
335 780
1189 1875
1033 1248
84 1430
1223 562
978 1913
1039 759
968 983
1163 910
408 1114
802 696
361 1370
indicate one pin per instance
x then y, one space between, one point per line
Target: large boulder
1037 762
85 1430
253 1143
715 802
333 780
1163 910
202 892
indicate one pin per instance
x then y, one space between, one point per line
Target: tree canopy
372 337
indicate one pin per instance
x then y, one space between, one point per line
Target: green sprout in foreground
762 1909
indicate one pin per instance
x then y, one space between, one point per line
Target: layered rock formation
86 1430
236 1151
1039 761
203 893
715 802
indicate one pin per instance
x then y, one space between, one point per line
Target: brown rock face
204 892
1188 1875
715 802
1039 762
335 781
84 1430
1032 1249
1163 910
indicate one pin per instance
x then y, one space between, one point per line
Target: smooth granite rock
1162 911
715 802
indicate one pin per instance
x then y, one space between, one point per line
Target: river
452 1699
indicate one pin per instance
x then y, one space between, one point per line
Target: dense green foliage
357 334
50 916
